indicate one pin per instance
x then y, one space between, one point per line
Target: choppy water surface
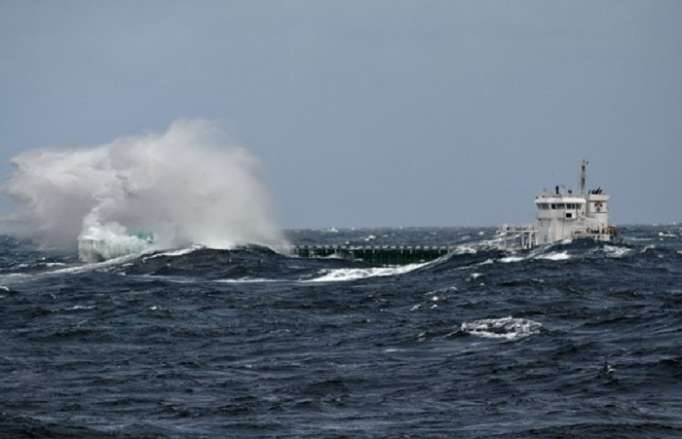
576 340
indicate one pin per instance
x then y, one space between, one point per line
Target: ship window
569 215
561 206
553 206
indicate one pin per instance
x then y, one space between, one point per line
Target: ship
563 215
103 246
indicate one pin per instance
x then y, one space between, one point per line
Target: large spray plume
185 186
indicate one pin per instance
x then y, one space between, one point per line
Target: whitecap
346 274
246 280
333 256
613 251
464 250
510 259
121 260
178 252
509 328
555 256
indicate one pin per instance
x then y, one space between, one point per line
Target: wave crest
509 328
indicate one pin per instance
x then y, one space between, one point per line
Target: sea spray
185 186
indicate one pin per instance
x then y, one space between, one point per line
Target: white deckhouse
564 215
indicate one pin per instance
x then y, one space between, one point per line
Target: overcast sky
370 113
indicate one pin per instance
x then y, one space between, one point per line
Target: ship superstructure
564 215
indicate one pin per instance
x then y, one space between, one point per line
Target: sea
575 340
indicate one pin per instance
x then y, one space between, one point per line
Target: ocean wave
465 249
174 253
109 263
247 280
554 256
509 328
347 274
613 251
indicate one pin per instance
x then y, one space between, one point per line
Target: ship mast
582 183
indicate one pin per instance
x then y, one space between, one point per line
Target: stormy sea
576 340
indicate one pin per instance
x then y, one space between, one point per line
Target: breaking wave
509 328
147 192
555 256
348 274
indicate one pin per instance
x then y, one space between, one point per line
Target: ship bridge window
543 206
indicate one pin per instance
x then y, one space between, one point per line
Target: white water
509 328
185 186
613 251
175 253
247 280
510 259
347 274
554 256
549 256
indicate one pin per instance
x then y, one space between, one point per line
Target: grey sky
368 113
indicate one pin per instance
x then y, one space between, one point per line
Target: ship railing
516 236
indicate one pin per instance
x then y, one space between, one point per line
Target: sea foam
509 328
347 274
